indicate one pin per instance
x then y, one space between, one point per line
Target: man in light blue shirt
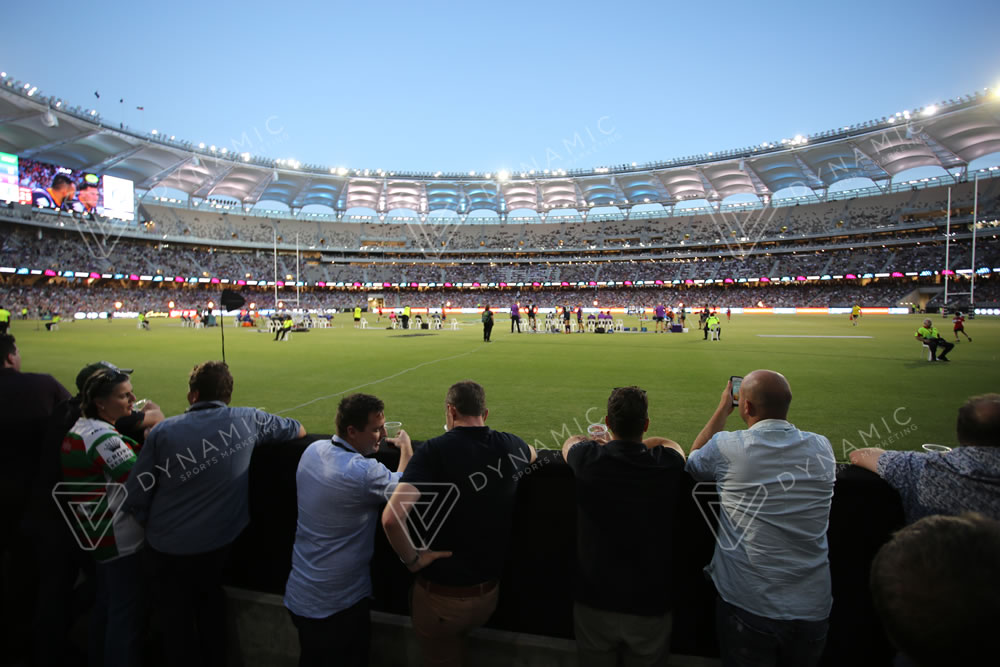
340 493
190 488
770 567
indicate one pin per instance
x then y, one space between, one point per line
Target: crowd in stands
73 297
445 233
61 250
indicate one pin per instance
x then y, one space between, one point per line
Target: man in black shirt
460 488
626 490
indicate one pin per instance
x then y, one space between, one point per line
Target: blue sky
483 86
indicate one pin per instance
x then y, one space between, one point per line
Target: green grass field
878 391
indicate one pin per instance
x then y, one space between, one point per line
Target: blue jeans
118 619
748 640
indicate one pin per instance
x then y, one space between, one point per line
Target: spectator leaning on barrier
467 480
626 491
189 488
340 492
962 480
935 586
771 566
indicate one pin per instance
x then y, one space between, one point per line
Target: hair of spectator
935 586
468 398
100 384
8 346
628 410
979 421
84 185
355 410
61 181
213 381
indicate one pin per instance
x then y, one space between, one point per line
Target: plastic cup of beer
936 449
392 429
597 431
140 404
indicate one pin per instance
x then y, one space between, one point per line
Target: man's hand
426 558
405 446
401 442
726 404
151 416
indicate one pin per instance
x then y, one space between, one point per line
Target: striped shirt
96 461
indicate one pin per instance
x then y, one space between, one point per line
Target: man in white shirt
771 566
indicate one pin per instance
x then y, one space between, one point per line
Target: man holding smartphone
771 567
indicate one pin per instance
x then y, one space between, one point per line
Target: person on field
929 336
958 325
487 324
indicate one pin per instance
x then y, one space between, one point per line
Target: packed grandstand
626 236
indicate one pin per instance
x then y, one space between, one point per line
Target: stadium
767 236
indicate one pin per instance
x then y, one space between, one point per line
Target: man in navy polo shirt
626 490
463 484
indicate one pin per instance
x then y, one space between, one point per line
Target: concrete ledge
262 635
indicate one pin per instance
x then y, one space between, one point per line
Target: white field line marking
368 384
803 336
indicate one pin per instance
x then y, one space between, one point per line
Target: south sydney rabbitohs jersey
97 458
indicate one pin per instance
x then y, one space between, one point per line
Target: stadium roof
949 135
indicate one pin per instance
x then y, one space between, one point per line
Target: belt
457 591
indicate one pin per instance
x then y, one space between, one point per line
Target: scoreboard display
8 177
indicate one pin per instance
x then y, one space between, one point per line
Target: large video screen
8 177
61 188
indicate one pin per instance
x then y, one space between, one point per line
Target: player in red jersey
959 323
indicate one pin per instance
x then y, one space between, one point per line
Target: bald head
979 421
768 394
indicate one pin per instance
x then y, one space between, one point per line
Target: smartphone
737 380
